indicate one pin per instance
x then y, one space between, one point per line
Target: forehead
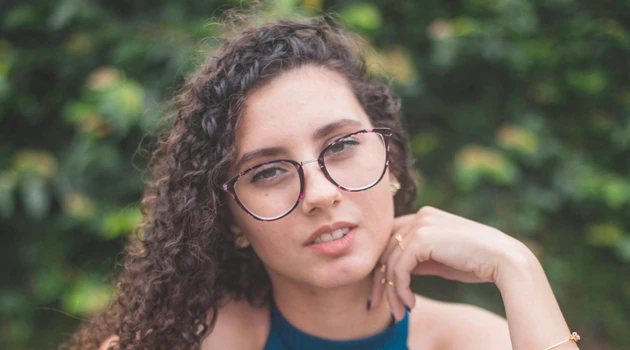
292 106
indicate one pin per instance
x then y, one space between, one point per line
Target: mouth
331 236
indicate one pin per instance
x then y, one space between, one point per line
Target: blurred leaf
464 26
592 81
362 16
312 4
623 250
424 143
48 284
616 192
78 205
604 234
517 138
8 182
285 6
64 13
35 196
120 222
40 163
621 136
473 162
86 297
22 15
104 78
80 44
440 29
395 62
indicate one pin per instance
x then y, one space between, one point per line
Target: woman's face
297 114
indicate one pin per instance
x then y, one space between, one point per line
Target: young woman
280 217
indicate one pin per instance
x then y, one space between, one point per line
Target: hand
434 242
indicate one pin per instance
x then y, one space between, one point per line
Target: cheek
377 208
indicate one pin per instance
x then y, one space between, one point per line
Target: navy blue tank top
283 336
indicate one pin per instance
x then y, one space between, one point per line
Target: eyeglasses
353 162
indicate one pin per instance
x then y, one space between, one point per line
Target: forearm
533 314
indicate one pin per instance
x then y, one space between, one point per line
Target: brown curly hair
186 266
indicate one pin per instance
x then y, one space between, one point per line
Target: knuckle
399 273
426 210
422 232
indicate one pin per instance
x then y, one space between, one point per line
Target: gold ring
385 280
399 239
383 267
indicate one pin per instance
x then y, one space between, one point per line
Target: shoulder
233 321
440 325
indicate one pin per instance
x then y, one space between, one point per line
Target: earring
394 186
241 241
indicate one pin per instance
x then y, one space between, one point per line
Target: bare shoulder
441 325
235 320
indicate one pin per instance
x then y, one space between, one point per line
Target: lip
327 229
337 247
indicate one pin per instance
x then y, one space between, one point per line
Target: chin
344 272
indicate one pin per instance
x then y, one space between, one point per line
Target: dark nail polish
369 303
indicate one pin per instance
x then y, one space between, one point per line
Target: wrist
517 265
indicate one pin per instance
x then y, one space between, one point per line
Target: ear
241 240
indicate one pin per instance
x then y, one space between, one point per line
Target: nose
319 193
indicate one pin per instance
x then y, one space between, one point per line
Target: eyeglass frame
228 186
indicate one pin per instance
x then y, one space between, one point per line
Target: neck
335 314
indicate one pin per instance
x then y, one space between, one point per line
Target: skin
326 296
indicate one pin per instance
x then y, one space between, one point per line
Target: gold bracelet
574 337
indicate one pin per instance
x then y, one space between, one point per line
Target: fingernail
369 303
407 308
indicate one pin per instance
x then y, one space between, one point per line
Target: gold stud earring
394 187
241 241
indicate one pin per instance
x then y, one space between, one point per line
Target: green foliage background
519 113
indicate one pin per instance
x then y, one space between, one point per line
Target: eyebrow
317 135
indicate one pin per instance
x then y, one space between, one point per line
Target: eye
341 146
267 174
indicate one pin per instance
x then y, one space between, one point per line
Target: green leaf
623 248
589 81
120 222
35 196
64 13
48 284
362 16
86 297
604 234
8 181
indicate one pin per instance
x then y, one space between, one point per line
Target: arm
434 242
533 314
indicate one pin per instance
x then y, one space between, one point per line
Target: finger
401 273
377 287
397 306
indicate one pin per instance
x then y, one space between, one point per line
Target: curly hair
186 266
